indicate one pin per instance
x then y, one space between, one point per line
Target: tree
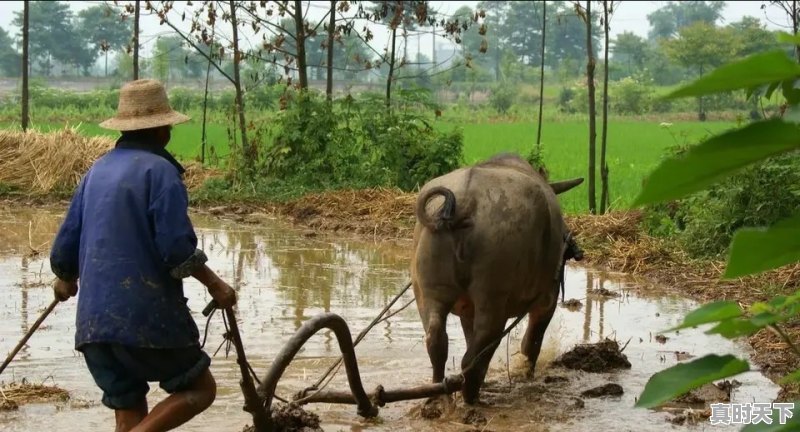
608 10
567 42
586 15
541 76
10 59
135 40
700 47
666 22
630 50
55 37
751 36
102 27
25 64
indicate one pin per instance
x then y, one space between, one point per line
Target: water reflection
283 278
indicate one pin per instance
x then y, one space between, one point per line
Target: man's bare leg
128 419
180 407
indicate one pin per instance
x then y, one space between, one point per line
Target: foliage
102 27
353 143
630 96
670 19
502 97
10 59
753 250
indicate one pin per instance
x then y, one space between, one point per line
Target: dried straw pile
20 393
40 163
384 212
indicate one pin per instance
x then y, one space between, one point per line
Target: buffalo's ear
563 186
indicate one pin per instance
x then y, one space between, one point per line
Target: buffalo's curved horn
563 186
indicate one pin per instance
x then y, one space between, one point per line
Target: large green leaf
708 313
681 378
752 71
792 423
755 250
717 158
735 328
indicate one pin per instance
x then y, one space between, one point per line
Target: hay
20 393
41 163
44 162
378 211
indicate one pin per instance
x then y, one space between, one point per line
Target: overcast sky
629 16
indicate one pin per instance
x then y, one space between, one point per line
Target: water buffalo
493 250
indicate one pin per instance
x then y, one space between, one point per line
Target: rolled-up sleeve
65 253
174 234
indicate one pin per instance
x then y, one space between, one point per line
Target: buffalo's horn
563 186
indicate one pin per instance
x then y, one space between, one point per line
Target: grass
634 148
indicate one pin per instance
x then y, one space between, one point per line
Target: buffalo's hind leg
488 327
435 319
538 321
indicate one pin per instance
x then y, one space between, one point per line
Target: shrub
630 96
502 97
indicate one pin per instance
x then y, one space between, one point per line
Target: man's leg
124 390
127 419
181 406
182 372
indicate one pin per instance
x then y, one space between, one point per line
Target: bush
630 96
502 97
353 143
565 97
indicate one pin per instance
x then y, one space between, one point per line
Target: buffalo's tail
444 218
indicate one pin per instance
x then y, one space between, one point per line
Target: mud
284 276
287 418
572 304
609 389
603 356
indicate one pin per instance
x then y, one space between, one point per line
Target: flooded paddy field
284 277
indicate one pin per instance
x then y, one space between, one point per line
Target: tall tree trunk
106 67
300 36
604 199
25 69
541 77
391 69
136 41
204 137
590 64
331 32
238 84
794 27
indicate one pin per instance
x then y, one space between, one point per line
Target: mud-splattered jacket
128 240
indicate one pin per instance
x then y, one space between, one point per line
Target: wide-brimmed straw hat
143 104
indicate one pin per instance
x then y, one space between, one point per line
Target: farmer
128 240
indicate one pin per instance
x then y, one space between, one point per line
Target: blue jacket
128 240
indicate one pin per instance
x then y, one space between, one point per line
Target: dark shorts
122 372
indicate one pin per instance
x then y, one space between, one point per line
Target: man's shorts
122 372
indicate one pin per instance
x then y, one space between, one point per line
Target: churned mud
284 277
603 356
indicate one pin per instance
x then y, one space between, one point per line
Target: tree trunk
541 77
331 32
604 200
106 67
238 85
136 41
204 138
300 36
794 28
592 109
391 69
25 70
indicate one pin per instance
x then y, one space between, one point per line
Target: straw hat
143 104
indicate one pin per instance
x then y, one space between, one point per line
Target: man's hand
63 290
222 293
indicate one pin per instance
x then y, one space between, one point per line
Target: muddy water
284 277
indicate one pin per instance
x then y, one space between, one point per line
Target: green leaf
784 37
708 313
755 250
734 328
792 423
752 71
681 378
792 377
716 158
